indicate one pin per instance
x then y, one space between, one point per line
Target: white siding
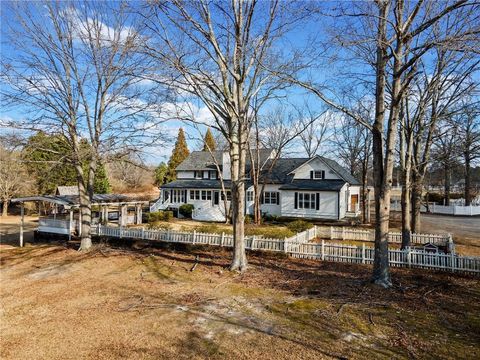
272 209
226 166
343 201
327 210
303 172
183 174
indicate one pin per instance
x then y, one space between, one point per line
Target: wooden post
452 262
70 221
194 235
55 209
222 239
252 247
22 213
363 253
79 222
323 249
331 232
409 257
143 233
138 214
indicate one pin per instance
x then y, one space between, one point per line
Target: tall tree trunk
85 192
238 158
446 173
5 207
381 273
365 198
417 190
468 194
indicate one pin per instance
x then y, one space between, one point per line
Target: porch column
123 215
70 225
22 212
138 214
119 215
79 222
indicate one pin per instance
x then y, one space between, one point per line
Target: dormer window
198 174
317 174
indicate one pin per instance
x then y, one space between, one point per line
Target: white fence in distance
343 233
434 208
305 250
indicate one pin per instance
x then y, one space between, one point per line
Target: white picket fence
343 233
433 208
304 249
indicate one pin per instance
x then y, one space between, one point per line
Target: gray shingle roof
341 171
319 185
196 184
202 160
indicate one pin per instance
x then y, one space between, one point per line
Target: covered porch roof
73 201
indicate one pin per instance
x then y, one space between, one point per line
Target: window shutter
278 198
296 200
311 174
261 198
323 174
317 201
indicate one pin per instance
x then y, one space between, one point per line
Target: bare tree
14 177
399 33
316 126
219 53
75 69
469 141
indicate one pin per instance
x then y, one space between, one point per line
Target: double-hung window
198 174
229 195
317 174
249 195
306 200
206 195
270 198
194 194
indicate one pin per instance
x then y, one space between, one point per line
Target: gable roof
202 160
335 166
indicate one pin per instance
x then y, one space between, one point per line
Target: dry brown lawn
57 303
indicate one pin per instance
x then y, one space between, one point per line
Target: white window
270 198
198 174
213 174
249 195
194 194
306 200
319 174
229 195
178 196
206 195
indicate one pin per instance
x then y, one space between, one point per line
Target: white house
314 188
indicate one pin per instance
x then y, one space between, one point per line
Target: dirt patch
58 303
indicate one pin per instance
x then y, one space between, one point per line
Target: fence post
120 232
323 249
316 231
222 238
452 262
143 233
252 247
194 235
363 253
285 246
409 257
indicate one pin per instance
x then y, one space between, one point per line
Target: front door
353 202
216 195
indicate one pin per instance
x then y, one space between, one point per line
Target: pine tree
161 174
179 153
209 141
101 184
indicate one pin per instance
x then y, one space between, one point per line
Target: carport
63 220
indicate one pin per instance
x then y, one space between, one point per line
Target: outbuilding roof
74 200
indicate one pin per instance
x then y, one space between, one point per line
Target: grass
119 303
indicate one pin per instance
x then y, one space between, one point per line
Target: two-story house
315 188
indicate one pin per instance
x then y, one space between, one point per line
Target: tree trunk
468 194
406 209
382 174
5 207
417 190
447 184
237 158
85 199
